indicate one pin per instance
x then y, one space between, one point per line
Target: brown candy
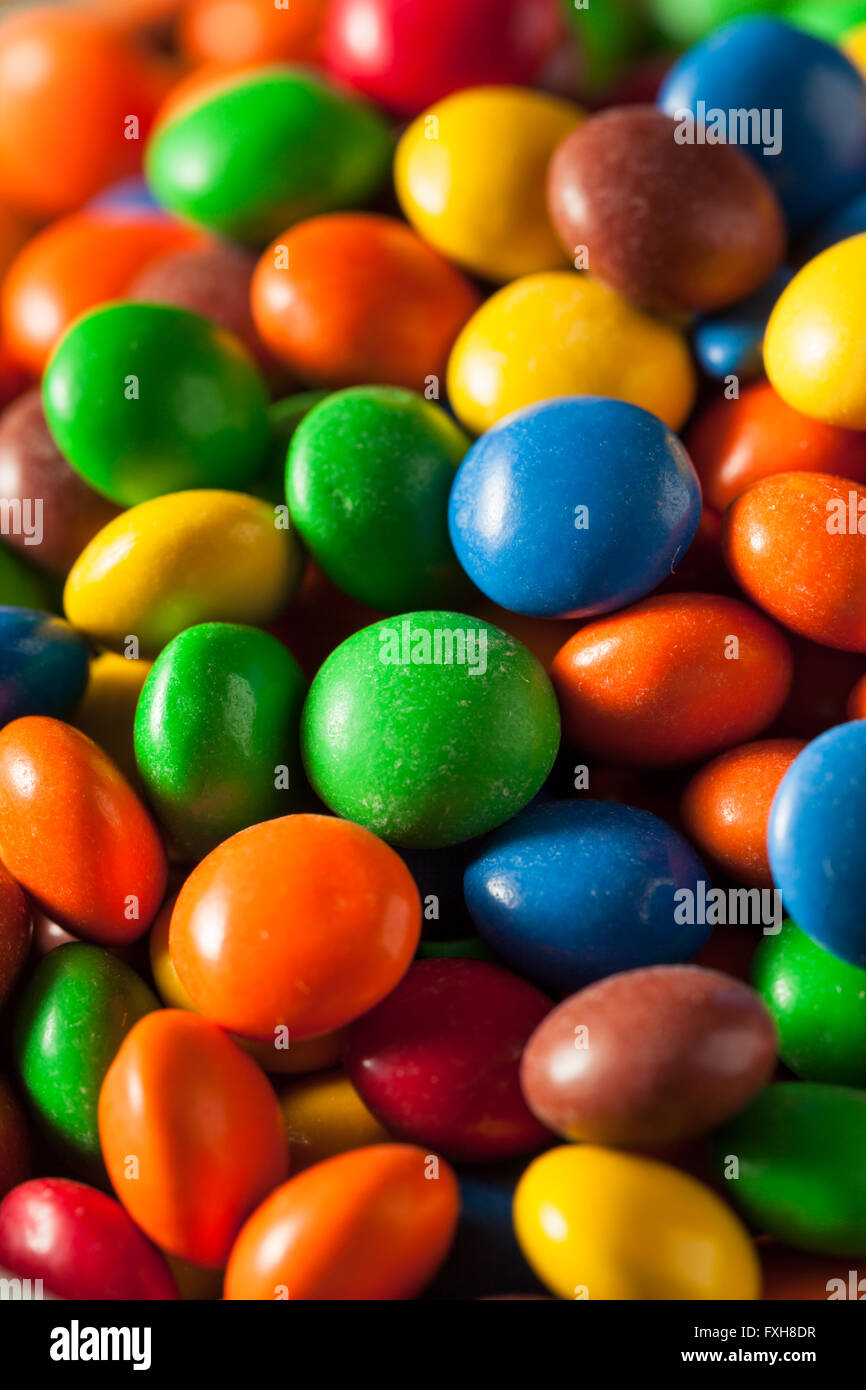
54 500
650 1057
675 227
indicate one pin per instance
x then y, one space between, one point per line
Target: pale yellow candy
471 176
106 712
854 47
598 1224
815 343
189 557
325 1116
565 334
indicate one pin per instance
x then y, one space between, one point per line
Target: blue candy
815 840
571 891
573 507
485 1258
132 193
43 664
846 221
730 343
766 66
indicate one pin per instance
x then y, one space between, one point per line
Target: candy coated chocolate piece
43 664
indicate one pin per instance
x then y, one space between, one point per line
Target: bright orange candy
191 1134
302 923
794 543
75 835
734 443
373 1223
354 298
68 85
251 31
857 700
76 264
670 679
726 805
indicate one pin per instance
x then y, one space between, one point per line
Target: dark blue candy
571 891
765 65
815 839
485 1258
730 343
43 664
516 515
846 221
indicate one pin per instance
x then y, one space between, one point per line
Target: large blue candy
571 891
573 507
764 66
816 841
43 664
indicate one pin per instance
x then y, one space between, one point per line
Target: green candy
826 19
819 1004
429 728
216 733
284 417
23 586
267 151
466 947
801 1153
146 399
686 21
76 1009
367 481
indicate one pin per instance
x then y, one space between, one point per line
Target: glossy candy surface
367 481
481 211
561 334
43 664
569 892
649 1057
814 841
375 1223
273 147
677 227
352 298
179 1096
302 923
437 1061
671 679
427 751
793 543
324 1116
572 507
216 733
599 1224
105 882
818 1003
190 557
145 399
251 31
74 1012
801 1175
80 1243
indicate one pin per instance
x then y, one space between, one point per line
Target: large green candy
801 1155
429 728
819 1004
216 733
76 1009
145 399
265 152
367 482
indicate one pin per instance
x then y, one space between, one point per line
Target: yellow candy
189 557
600 1224
298 1059
471 177
854 47
815 344
106 712
565 334
325 1116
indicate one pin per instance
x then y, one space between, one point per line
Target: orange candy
76 264
14 932
857 700
68 85
301 923
671 679
734 443
373 1223
191 1134
354 298
251 31
726 805
793 543
75 835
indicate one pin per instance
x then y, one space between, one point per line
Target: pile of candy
433 649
